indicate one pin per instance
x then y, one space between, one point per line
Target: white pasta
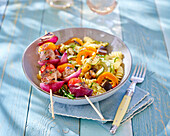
116 54
88 81
119 73
97 89
117 63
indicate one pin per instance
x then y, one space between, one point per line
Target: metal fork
137 77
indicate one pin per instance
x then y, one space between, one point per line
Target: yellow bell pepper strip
46 46
75 39
62 67
85 53
107 75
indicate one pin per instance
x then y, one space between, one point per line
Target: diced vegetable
73 81
49 37
54 86
106 85
63 59
105 44
105 66
47 66
77 49
71 57
84 53
108 66
86 67
46 46
108 75
75 39
100 71
74 75
80 90
91 48
112 69
53 61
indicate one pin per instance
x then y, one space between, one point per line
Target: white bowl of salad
75 62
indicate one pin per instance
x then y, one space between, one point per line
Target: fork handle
122 108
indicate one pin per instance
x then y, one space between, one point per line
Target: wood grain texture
39 120
14 88
143 35
24 111
3 6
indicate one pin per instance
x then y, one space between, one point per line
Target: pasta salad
78 67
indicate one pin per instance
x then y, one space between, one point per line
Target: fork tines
139 69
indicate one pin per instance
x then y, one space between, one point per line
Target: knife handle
120 113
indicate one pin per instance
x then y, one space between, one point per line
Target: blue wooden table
143 25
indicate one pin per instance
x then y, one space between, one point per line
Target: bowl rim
79 98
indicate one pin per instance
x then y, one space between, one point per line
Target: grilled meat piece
47 55
50 76
67 71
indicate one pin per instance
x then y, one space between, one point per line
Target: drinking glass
102 7
60 3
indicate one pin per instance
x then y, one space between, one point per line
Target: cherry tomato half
73 81
47 66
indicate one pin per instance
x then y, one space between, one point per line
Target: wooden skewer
96 110
52 108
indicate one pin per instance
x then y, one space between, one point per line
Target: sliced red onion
49 37
74 75
53 61
54 86
63 59
80 90
56 52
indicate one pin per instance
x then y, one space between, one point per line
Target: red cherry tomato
47 66
73 81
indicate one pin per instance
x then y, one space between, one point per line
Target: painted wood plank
143 35
92 128
109 23
39 120
15 35
3 6
163 8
